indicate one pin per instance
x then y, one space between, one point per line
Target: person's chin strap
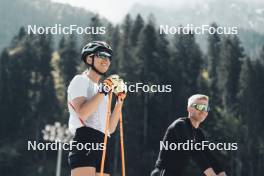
95 69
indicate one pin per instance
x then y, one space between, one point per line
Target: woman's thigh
81 171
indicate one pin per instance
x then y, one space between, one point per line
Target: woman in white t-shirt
88 103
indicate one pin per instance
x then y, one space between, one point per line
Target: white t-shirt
83 86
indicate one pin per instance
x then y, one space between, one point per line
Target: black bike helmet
93 48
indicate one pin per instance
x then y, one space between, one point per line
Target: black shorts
92 157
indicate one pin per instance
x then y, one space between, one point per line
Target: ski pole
122 145
106 134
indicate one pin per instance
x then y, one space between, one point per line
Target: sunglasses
201 107
104 55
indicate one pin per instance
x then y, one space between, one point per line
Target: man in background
173 162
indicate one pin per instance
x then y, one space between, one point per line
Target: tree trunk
145 127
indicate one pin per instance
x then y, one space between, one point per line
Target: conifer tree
69 58
188 58
136 29
229 70
213 62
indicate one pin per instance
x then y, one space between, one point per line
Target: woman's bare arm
84 108
115 116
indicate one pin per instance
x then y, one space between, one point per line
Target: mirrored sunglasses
104 55
201 107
